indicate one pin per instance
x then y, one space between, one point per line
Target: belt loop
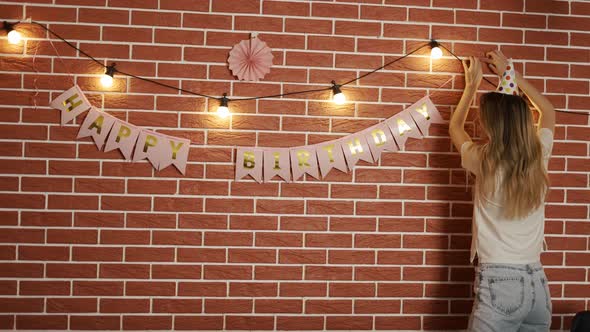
529 269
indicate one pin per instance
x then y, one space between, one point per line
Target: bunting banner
343 153
135 143
261 164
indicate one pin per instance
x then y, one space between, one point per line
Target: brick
52 14
177 305
101 322
397 323
41 322
328 307
65 270
72 236
147 322
104 288
109 16
129 203
343 322
233 6
71 305
508 5
73 202
50 253
27 270
400 257
102 254
150 288
352 224
149 254
351 257
82 219
278 273
301 25
115 305
44 288
124 271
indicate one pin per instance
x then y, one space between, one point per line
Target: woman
510 186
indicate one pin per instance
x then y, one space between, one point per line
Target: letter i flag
249 162
277 162
71 104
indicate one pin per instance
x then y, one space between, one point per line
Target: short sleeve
546 138
469 157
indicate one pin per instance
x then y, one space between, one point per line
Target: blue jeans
510 297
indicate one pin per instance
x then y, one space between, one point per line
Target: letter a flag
96 124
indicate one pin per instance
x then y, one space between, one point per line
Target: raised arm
473 76
497 60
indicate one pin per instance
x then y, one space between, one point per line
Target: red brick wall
89 241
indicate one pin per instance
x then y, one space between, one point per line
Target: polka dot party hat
508 81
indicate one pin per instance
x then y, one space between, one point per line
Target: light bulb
339 98
223 112
106 80
14 37
436 53
223 109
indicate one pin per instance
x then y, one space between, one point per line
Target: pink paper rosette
250 60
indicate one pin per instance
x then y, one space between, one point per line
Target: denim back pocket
507 293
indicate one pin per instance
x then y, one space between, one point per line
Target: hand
497 62
473 72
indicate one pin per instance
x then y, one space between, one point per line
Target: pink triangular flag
355 148
71 103
175 152
424 113
380 138
123 136
150 145
249 162
304 160
277 162
96 124
402 127
330 156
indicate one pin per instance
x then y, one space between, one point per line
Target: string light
338 97
107 78
14 37
223 109
435 52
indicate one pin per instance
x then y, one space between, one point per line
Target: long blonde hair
514 152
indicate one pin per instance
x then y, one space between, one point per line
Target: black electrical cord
111 69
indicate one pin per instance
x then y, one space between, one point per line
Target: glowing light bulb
223 109
14 37
436 53
106 81
339 98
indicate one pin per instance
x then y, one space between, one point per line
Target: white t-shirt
499 240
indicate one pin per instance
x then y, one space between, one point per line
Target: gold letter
302 156
329 149
356 147
97 124
277 155
249 160
403 127
123 132
72 102
379 137
149 141
424 111
175 148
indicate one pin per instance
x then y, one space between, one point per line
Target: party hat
508 82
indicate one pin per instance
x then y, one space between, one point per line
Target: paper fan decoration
250 59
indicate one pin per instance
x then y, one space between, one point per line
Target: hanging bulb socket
337 95
109 74
435 52
14 37
223 109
